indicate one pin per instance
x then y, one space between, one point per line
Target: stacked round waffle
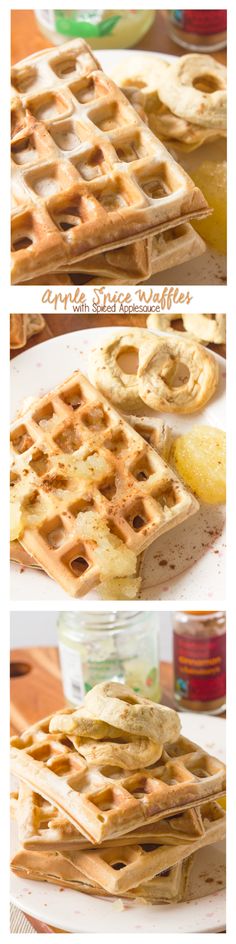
183 101
93 815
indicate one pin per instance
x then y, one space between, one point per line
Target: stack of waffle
95 194
113 801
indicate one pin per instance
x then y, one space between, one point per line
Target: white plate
193 553
76 912
209 269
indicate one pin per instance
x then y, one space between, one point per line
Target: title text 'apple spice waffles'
87 173
88 494
144 822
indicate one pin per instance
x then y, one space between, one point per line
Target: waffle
101 802
42 826
158 434
23 327
175 246
208 329
120 711
141 82
132 263
20 556
50 278
168 887
87 174
73 453
117 870
136 263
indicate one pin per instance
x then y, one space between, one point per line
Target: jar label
200 667
201 22
86 23
72 674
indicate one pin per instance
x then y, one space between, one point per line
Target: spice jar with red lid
199 642
198 30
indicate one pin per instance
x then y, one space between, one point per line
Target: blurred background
166 31
176 658
40 629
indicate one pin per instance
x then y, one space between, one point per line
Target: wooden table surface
26 37
63 324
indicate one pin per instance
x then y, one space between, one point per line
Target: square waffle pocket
87 173
103 803
72 453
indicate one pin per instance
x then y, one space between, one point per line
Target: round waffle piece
79 722
115 381
210 329
158 322
175 375
119 705
194 87
130 753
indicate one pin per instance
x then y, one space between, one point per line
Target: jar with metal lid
199 641
198 30
122 647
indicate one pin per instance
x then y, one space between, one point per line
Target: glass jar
102 29
199 640
198 30
95 647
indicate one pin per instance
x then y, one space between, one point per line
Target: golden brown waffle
72 454
136 263
87 174
22 327
124 867
158 434
20 556
50 278
101 802
168 887
119 869
42 826
132 263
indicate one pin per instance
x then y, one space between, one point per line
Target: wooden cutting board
36 689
